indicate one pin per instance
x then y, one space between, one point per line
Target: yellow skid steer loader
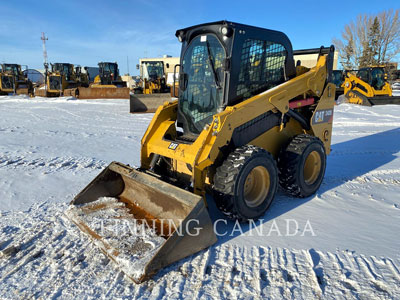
246 120
368 87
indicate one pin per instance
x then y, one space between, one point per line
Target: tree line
370 40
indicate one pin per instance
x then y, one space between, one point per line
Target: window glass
262 67
202 68
363 75
378 78
154 69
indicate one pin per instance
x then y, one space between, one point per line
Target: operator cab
13 69
64 69
374 76
210 80
152 70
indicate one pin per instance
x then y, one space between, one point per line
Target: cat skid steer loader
246 119
368 87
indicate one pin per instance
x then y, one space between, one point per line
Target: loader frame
160 137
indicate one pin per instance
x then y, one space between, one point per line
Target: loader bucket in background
102 93
147 102
120 196
383 100
22 91
40 92
73 92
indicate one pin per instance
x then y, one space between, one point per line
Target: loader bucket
141 222
40 92
147 102
101 93
22 91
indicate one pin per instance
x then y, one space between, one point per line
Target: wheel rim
256 186
312 167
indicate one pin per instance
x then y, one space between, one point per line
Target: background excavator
369 86
246 120
61 78
108 84
12 80
152 90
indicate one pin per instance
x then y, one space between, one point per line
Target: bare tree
370 40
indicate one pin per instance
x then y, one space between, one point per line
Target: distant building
36 76
310 60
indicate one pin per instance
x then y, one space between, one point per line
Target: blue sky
85 32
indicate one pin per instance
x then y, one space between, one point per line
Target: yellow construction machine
12 80
108 84
245 121
369 86
152 90
153 79
61 78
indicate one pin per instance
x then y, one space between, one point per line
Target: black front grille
7 82
55 82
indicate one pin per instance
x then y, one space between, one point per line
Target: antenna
127 63
45 62
44 39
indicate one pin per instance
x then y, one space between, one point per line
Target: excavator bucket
141 222
103 92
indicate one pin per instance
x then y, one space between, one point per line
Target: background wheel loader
369 86
246 120
61 78
153 90
12 80
108 84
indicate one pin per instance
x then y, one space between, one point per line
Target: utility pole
45 62
127 63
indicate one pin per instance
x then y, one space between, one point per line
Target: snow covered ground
341 243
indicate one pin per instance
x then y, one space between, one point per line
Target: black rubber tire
229 180
291 165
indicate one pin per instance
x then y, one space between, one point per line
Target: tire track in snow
357 153
51 165
55 261
383 177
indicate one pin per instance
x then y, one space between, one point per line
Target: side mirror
137 67
167 65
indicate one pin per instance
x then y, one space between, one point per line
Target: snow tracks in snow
43 255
